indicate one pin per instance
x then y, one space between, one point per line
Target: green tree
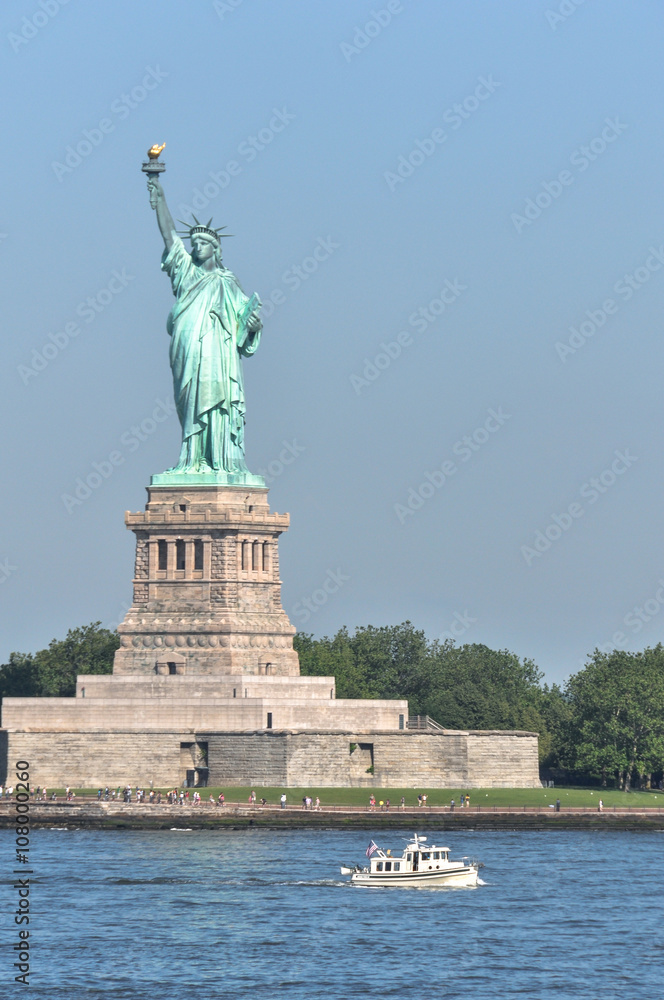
617 714
556 752
52 672
331 658
382 662
18 677
474 687
390 658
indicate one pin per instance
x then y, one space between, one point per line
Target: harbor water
186 914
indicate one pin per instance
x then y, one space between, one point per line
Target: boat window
436 855
379 866
409 857
397 866
388 866
426 855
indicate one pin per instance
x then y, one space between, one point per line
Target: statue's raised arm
164 217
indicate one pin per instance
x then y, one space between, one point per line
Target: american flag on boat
373 846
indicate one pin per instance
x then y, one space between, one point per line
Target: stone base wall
407 759
240 759
93 760
497 770
422 758
109 686
198 714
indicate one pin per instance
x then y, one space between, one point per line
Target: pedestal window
198 555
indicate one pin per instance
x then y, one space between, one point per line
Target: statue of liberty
211 325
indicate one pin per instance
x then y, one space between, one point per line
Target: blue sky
454 215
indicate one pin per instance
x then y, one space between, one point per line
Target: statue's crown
202 229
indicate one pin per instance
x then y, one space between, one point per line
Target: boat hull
460 877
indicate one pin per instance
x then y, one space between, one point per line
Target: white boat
420 864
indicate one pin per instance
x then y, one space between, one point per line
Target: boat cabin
416 858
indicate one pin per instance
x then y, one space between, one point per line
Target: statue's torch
153 167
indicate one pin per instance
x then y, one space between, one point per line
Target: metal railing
424 722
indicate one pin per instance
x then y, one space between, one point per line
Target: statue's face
202 249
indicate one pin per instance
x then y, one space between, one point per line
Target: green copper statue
211 325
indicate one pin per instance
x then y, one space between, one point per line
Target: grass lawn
435 797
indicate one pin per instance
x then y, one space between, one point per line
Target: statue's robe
208 329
